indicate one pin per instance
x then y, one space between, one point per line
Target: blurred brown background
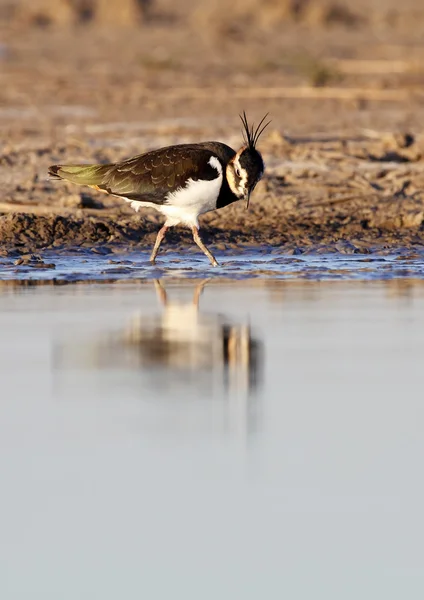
150 56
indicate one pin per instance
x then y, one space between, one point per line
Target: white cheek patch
242 186
231 180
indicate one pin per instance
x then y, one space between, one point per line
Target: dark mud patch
26 233
35 231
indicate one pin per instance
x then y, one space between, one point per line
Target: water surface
212 440
343 261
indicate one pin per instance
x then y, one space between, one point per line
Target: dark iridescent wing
150 177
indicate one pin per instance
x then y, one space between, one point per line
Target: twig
36 209
340 200
376 66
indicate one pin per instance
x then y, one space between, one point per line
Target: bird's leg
202 246
198 292
161 292
159 239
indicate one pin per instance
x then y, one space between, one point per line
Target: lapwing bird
181 182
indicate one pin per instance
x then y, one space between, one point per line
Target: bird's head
246 168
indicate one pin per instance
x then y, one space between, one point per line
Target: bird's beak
247 199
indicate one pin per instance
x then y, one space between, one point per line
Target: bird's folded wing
150 177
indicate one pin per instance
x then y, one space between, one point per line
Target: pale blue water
270 447
246 263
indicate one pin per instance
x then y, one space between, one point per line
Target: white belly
187 203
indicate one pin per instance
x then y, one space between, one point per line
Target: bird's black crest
250 133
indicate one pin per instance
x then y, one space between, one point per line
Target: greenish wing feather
82 174
152 176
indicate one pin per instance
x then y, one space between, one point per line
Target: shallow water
316 264
212 440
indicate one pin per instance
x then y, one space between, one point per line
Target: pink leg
161 292
159 239
202 246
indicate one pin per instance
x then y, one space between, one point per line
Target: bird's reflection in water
181 353
185 346
185 339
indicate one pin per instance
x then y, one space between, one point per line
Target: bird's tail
83 174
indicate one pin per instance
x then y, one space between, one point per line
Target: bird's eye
237 170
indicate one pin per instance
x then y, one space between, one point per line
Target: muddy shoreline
21 234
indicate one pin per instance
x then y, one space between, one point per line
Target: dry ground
344 88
